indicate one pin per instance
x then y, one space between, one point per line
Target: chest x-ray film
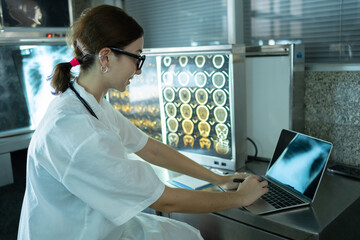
24 80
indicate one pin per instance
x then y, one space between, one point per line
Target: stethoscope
82 100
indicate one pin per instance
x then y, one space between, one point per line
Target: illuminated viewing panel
27 92
140 102
35 13
13 108
185 97
37 63
195 96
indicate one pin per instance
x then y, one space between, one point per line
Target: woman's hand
251 189
228 181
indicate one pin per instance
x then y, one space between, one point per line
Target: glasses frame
140 59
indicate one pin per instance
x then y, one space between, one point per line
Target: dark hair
99 27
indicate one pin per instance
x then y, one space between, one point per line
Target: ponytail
61 77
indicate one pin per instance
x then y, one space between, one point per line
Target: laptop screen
299 161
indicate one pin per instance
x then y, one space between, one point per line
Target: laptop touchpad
260 206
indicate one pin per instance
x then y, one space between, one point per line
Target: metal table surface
335 213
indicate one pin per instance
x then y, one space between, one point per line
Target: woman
80 183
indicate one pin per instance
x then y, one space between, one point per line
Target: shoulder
111 110
66 118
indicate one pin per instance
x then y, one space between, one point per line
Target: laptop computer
294 172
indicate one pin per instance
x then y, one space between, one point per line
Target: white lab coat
80 182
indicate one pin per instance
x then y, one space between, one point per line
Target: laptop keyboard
280 198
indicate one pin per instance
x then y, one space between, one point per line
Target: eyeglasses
140 59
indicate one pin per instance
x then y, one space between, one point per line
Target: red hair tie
74 62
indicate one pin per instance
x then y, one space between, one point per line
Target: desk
335 214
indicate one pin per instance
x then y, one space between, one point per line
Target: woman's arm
191 201
164 156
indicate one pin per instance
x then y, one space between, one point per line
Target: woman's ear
104 56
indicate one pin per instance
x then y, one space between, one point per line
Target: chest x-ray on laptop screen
297 167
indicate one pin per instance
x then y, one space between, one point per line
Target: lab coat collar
90 99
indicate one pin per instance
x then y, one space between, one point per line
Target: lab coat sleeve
108 182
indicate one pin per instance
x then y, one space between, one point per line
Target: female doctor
80 182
